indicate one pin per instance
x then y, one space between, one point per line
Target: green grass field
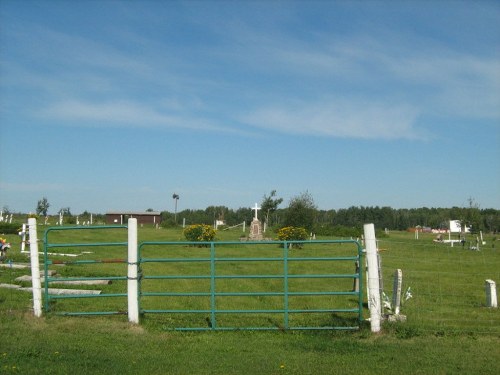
448 330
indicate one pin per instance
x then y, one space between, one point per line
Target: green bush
10 228
343 231
199 233
292 234
338 231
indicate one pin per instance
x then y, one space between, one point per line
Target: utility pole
175 197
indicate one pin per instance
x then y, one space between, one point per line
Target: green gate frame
213 259
48 279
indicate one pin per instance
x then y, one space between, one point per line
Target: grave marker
255 226
491 293
396 291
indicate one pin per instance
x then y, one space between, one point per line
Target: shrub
199 233
292 234
9 228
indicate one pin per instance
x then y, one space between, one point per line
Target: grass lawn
449 330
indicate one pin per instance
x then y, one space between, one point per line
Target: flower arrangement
292 234
4 246
199 233
386 301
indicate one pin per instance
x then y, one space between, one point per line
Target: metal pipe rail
47 245
213 260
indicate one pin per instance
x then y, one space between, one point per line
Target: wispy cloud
340 118
357 85
133 114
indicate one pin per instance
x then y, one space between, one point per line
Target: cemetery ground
449 329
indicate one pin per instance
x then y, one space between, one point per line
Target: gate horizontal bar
68 296
54 245
59 279
243 294
324 328
305 276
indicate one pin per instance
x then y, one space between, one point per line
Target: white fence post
35 268
491 293
373 277
132 273
396 291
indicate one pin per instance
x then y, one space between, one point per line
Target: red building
121 217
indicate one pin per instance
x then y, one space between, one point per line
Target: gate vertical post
373 277
35 269
132 273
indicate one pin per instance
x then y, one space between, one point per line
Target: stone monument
255 227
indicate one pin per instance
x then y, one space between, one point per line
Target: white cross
256 208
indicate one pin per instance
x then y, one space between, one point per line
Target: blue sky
116 105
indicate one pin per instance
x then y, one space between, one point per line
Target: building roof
134 213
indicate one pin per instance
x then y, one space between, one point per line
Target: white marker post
396 291
491 293
35 269
132 273
23 238
373 277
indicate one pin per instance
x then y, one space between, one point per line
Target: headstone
491 293
396 291
255 226
23 238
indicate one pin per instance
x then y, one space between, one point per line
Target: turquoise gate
53 247
264 285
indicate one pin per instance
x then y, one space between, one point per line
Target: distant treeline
325 221
353 217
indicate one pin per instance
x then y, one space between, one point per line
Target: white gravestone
491 293
396 291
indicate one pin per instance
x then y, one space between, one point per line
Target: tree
473 216
66 211
270 205
42 207
301 211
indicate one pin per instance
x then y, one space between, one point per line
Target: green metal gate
226 285
264 285
53 245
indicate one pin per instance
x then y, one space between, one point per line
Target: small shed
121 217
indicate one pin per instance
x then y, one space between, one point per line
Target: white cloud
130 114
340 118
262 78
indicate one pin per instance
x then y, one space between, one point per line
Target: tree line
355 216
302 211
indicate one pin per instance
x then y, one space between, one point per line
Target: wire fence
447 284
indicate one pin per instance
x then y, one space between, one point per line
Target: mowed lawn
449 330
